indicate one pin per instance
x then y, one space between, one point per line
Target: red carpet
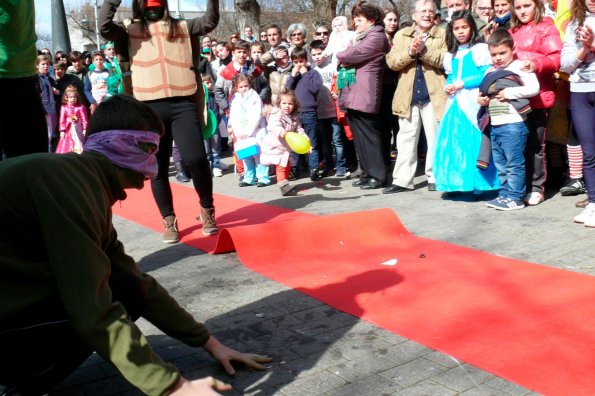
531 324
230 212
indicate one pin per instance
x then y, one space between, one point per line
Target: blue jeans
508 152
331 135
213 149
310 122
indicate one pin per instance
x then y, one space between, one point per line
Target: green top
59 239
17 39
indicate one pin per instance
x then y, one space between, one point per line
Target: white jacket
245 115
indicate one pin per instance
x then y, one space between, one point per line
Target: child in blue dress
459 138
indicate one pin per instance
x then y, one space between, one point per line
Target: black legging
180 117
22 135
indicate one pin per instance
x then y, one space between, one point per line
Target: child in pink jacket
274 149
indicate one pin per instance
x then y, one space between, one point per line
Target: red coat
541 44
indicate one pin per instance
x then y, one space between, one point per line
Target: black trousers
388 122
535 155
25 134
180 117
39 347
368 139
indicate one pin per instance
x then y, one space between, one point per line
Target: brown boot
582 203
285 187
171 234
209 226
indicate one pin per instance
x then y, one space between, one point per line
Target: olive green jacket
58 241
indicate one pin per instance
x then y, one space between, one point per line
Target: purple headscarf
127 149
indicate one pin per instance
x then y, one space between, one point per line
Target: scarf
360 36
502 20
128 149
285 69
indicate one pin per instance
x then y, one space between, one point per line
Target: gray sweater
582 73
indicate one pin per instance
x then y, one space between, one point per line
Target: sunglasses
322 33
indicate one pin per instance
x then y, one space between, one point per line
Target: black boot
182 172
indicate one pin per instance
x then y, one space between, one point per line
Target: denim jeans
330 134
309 123
52 122
508 152
213 149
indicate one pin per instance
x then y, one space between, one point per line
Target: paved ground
318 350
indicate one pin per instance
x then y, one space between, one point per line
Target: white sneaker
587 216
590 221
533 198
217 172
223 166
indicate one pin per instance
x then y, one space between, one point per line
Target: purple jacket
367 56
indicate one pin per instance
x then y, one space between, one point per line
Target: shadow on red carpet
528 323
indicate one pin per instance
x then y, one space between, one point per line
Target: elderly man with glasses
417 53
484 10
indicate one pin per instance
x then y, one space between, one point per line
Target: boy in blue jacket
306 84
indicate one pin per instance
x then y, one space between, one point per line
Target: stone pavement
318 350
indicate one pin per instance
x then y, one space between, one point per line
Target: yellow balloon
300 144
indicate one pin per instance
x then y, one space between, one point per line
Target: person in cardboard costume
162 52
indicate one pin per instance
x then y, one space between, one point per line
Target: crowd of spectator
372 94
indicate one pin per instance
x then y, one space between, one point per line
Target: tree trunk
248 14
323 11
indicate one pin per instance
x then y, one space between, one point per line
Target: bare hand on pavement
207 386
226 355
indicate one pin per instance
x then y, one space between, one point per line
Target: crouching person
68 288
